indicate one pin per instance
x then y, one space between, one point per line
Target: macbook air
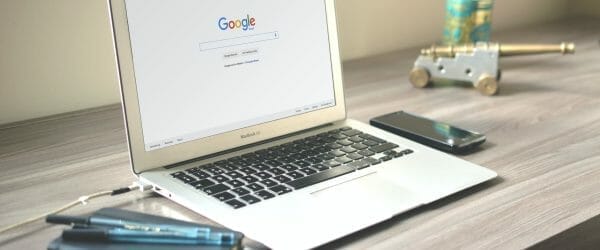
235 110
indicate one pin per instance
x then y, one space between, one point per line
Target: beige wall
586 8
379 26
55 56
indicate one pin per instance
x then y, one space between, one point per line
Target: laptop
235 110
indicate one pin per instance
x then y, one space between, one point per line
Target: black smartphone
435 134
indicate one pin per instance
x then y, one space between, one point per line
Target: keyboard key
320 167
308 171
345 128
345 142
282 178
366 152
314 160
407 151
279 190
372 160
273 163
235 203
255 187
268 183
229 167
286 159
263 175
320 177
352 132
338 153
331 164
224 196
334 146
250 199
220 178
359 164
249 179
202 183
383 147
356 139
215 189
390 152
248 170
354 156
276 171
260 167
370 143
240 191
235 183
234 174
192 170
359 146
348 150
398 154
265 195
372 138
326 156
301 164
322 149
343 159
289 168
295 174
177 174
201 174
185 178
215 170
339 136
386 158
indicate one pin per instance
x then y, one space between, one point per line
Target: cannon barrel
503 49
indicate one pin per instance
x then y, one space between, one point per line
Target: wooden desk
543 140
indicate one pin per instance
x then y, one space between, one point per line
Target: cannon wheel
487 85
420 77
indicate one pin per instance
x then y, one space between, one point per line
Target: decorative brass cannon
475 63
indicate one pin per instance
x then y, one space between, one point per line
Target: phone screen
438 131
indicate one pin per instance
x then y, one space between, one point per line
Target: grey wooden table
543 140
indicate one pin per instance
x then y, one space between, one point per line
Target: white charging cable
83 200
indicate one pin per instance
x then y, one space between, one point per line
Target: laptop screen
207 67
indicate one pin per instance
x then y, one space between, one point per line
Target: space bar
320 177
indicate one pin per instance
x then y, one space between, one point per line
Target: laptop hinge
247 146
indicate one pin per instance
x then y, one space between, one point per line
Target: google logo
245 24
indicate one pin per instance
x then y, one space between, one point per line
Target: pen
150 237
108 222
193 232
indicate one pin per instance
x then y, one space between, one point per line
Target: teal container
482 21
459 21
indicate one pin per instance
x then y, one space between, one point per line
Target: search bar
242 40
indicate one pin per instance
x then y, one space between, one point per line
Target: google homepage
207 67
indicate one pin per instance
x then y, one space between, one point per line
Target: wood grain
543 139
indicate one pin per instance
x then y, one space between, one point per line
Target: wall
379 26
56 55
55 58
586 8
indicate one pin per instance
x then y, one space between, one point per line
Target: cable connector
142 186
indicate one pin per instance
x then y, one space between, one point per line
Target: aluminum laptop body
204 82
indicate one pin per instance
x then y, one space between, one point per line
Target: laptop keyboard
261 175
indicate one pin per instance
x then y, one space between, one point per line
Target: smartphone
435 134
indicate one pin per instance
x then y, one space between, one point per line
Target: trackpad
367 194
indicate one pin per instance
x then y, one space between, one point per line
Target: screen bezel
142 160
